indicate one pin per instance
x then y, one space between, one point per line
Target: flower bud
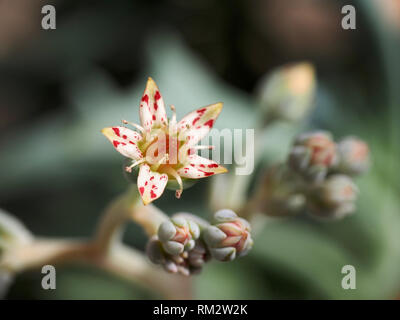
334 198
312 155
354 156
229 237
288 92
178 234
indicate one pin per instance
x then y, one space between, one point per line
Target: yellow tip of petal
216 107
221 169
151 86
108 132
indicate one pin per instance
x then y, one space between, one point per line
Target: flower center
163 151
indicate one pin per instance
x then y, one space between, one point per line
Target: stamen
141 129
178 178
129 169
173 119
172 122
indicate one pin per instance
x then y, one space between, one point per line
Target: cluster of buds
326 169
318 176
183 245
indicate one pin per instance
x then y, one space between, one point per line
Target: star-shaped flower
164 149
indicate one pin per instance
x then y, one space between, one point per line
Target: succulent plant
229 237
313 155
178 235
354 156
185 263
334 198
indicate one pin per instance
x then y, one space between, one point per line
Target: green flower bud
334 198
312 155
354 156
288 92
229 237
178 235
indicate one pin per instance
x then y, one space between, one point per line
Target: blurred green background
58 88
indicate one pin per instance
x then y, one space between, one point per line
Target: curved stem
105 251
125 207
121 261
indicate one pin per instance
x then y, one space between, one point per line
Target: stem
121 261
45 251
239 185
105 251
126 206
132 266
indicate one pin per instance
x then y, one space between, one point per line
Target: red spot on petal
207 174
141 190
213 165
116 130
155 106
145 98
154 117
195 120
157 95
124 136
209 123
152 194
201 111
145 183
151 178
202 166
153 186
116 143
